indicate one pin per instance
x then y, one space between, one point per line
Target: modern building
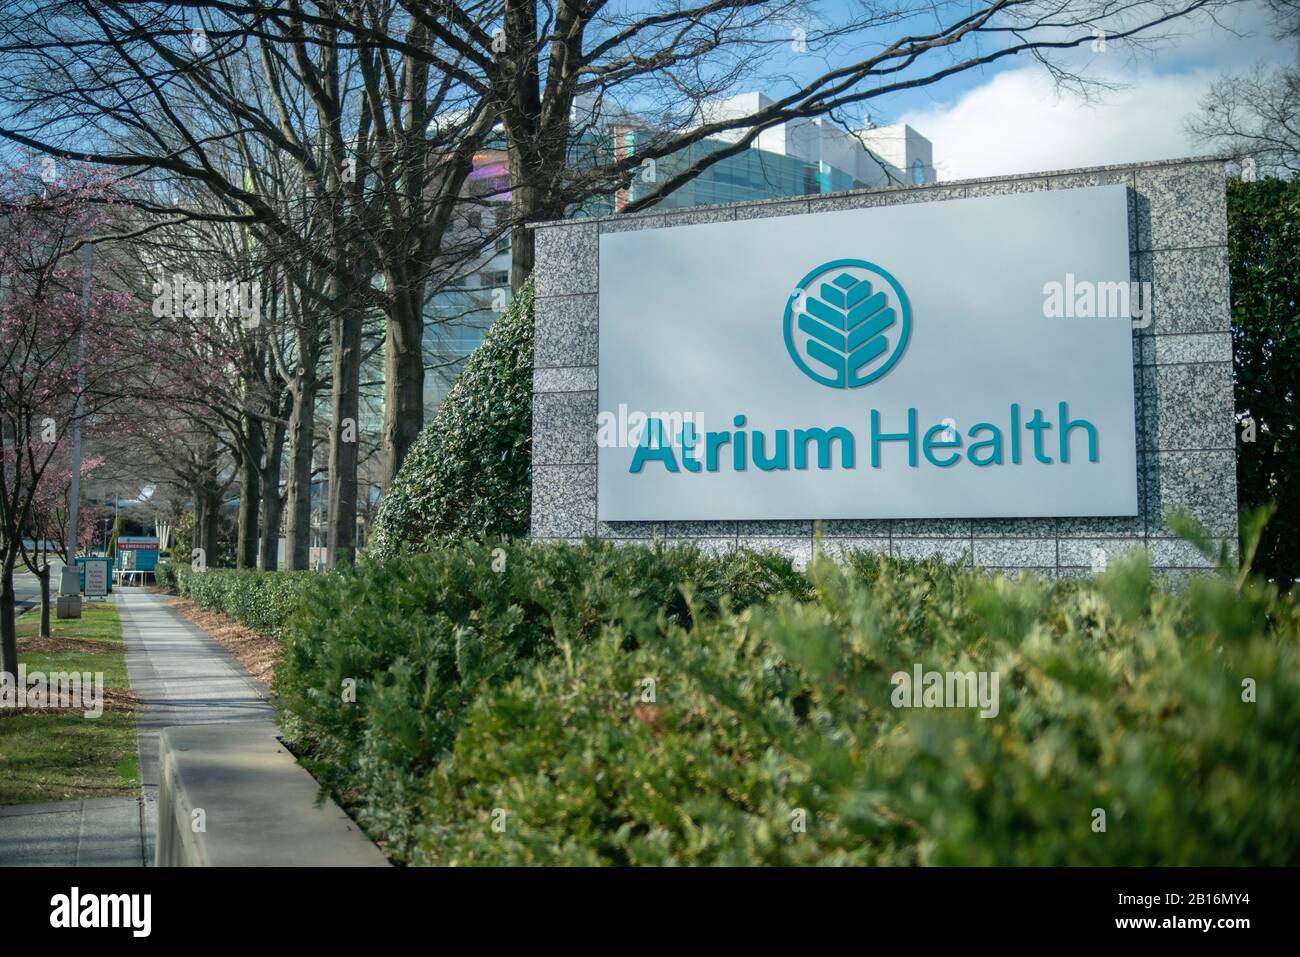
837 159
798 158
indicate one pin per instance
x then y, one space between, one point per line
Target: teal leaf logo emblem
847 323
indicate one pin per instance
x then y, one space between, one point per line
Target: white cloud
1018 122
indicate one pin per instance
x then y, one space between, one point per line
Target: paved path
104 832
182 677
27 587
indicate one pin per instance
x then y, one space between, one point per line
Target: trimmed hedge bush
164 575
263 601
467 475
419 637
626 705
774 738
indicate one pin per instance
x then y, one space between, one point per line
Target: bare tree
382 145
1257 114
214 321
558 72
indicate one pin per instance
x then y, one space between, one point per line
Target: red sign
137 544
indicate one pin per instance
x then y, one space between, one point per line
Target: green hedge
502 718
165 575
1115 695
421 636
263 601
467 475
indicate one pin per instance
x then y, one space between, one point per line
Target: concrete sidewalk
104 832
183 677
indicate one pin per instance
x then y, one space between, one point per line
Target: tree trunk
43 576
268 553
522 255
201 493
211 521
523 127
198 495
530 202
8 627
297 521
207 508
345 338
403 388
250 486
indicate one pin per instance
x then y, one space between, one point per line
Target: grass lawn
113 665
55 756
99 621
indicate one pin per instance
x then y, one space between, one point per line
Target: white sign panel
960 359
96 578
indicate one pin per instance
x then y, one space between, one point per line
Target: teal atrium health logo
847 323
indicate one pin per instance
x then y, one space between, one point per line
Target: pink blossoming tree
62 361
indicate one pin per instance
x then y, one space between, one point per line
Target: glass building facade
752 174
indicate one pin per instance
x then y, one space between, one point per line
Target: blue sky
1011 118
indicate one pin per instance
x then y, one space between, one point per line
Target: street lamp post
70 581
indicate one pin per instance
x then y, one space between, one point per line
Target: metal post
70 583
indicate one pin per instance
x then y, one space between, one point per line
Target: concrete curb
231 795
